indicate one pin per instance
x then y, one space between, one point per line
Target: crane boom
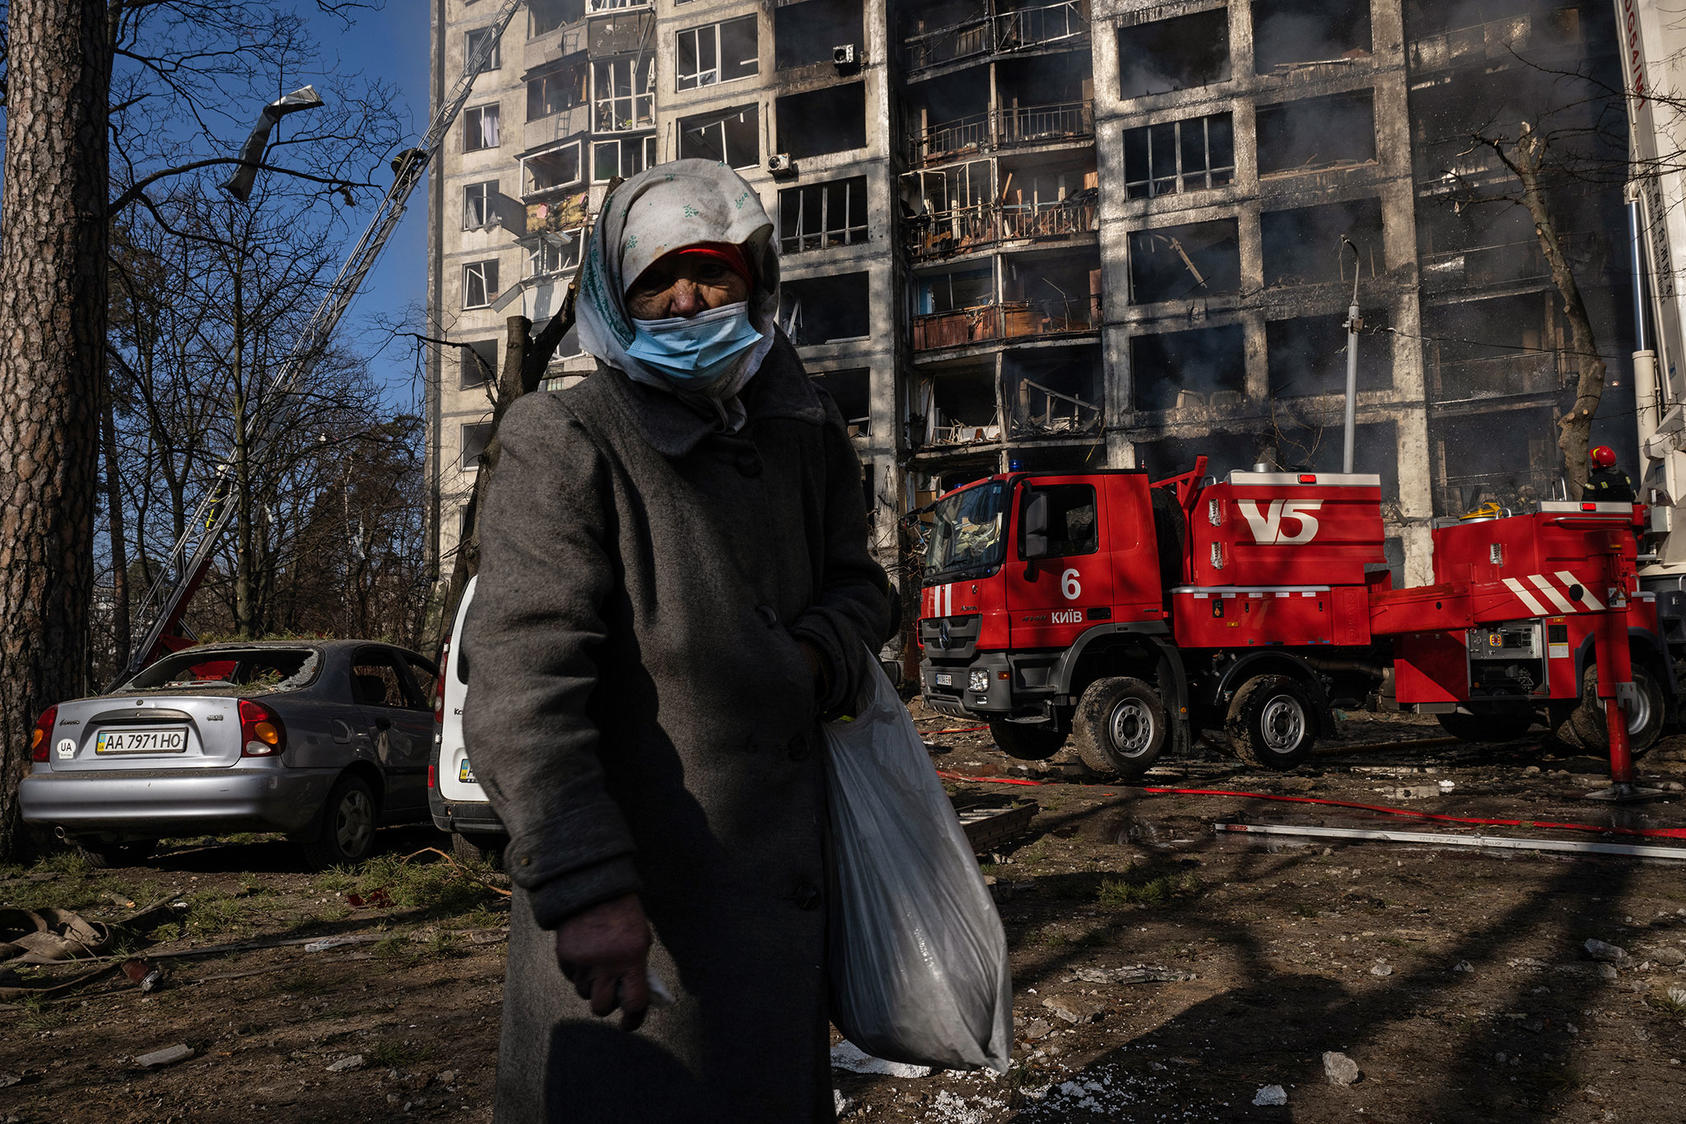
190 557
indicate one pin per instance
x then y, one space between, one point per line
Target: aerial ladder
189 559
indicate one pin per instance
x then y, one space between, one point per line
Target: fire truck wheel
1119 728
1271 722
1027 743
1644 725
1488 726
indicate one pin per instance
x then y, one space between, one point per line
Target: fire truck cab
1129 614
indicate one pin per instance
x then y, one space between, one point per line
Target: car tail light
43 735
433 778
261 732
439 685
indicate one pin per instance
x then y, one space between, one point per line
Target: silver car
324 740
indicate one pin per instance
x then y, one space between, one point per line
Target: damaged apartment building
1076 235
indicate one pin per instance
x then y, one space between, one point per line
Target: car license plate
465 773
945 679
151 739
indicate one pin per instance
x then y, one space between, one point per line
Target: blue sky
392 45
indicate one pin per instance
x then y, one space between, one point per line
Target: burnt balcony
965 229
1504 376
1043 411
1063 24
1004 321
1013 127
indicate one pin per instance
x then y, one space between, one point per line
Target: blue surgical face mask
694 351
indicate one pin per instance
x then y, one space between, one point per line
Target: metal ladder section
185 566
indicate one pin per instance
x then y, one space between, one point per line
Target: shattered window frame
475 436
556 89
479 278
480 128
556 252
1174 157
480 205
713 141
623 93
563 175
808 215
710 39
470 41
642 151
545 16
477 367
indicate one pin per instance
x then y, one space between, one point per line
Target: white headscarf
654 212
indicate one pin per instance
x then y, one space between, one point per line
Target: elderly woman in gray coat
674 589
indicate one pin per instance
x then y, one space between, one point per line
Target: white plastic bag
918 959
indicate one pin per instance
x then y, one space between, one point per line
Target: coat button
769 615
749 463
799 749
807 896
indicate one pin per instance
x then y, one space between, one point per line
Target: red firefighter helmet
1603 456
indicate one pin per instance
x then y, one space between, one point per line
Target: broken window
731 136
1507 457
954 408
954 308
593 7
621 157
551 169
479 363
951 117
823 309
556 252
1311 437
1177 156
813 31
1307 356
1202 369
480 205
832 119
1313 133
818 215
1289 32
1042 99
1050 294
949 211
623 93
480 128
852 391
475 437
555 89
717 52
1053 393
1173 54
1040 199
1177 262
476 39
1304 247
1480 246
548 15
479 283
1495 348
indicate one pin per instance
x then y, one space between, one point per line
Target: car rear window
269 669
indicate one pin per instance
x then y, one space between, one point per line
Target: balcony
1043 411
965 229
1010 320
1003 128
599 7
1504 376
1048 25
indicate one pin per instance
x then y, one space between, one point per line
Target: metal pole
1353 323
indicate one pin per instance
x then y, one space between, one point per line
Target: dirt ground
1162 970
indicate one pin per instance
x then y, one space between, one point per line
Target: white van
458 803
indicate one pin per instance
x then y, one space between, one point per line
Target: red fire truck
1129 615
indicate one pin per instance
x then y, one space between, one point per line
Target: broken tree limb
1438 839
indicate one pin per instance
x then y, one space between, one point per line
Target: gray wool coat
641 715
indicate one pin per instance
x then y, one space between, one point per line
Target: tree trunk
52 361
1574 428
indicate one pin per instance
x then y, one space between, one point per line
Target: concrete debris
1669 957
1463 966
349 1062
1133 974
1038 1028
7 1080
1075 1009
169 1055
1339 1069
1606 953
326 943
1382 970
1270 1095
846 1055
841 1105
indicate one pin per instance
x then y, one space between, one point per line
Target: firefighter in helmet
1607 483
